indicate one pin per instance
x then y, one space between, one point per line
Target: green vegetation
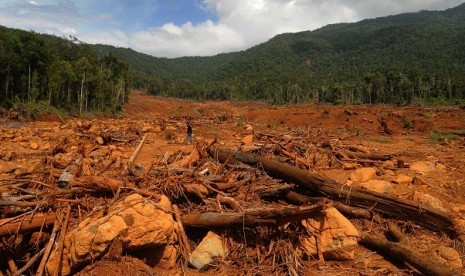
407 123
38 72
436 136
416 58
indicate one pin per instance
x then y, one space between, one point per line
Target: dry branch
428 217
30 263
27 224
425 264
43 262
61 242
97 183
258 216
369 156
134 155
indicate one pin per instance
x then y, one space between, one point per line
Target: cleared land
425 166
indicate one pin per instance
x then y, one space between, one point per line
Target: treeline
59 72
402 59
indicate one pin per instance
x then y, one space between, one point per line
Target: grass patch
436 136
241 121
407 123
34 110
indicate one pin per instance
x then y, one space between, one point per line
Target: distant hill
395 59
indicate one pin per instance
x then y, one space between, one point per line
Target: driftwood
426 216
426 264
27 224
258 216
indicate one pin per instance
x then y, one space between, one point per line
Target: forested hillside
40 71
415 57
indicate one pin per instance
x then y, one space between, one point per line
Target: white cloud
170 40
244 23
240 24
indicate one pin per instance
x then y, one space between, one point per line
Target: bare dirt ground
41 150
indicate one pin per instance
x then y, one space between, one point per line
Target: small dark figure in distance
189 133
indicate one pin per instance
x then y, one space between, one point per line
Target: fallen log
258 216
369 156
426 264
27 224
426 216
299 199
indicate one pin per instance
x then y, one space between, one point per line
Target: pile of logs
255 197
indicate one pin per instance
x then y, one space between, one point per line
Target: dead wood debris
256 208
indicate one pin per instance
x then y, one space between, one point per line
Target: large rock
335 236
422 167
427 200
403 179
136 221
210 248
388 164
379 186
363 174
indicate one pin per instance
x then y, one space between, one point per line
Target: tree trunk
81 93
258 216
424 215
426 264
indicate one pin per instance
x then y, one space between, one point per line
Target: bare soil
26 147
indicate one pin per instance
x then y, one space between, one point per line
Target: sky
175 28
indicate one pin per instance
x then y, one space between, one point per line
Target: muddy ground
414 134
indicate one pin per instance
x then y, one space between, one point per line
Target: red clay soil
417 134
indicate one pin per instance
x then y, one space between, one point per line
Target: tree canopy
60 72
396 59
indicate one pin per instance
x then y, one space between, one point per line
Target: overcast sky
174 28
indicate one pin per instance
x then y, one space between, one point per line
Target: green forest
413 58
40 71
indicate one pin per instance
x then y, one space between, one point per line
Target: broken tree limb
48 248
426 216
258 216
183 237
369 156
134 155
395 232
231 202
97 183
299 199
61 241
18 203
426 264
27 224
29 263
